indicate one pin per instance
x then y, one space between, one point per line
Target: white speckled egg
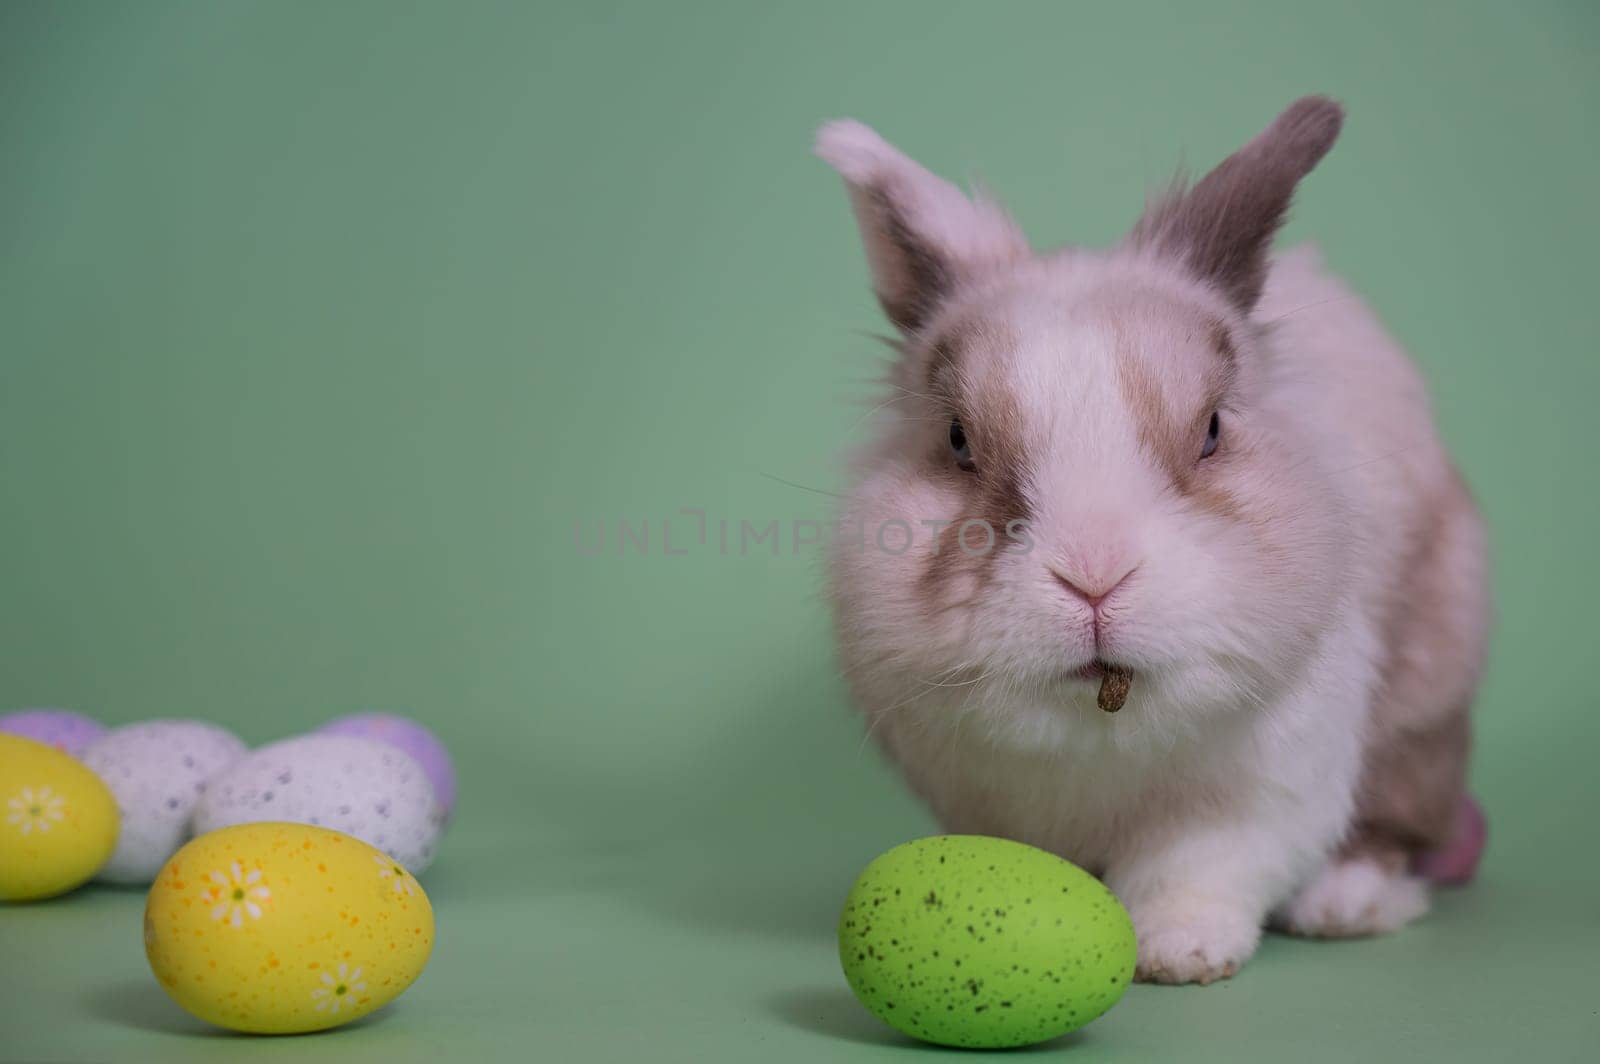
362 787
157 771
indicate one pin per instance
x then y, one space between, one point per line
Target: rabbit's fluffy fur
1303 611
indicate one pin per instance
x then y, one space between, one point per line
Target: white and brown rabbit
1161 564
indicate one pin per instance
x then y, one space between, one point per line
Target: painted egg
63 729
60 821
416 740
966 940
157 771
361 787
279 928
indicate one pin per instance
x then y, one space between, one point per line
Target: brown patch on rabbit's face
993 491
1171 422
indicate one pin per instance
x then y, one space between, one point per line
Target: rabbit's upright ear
1222 228
922 234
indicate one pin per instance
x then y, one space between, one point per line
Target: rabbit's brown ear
1223 226
922 234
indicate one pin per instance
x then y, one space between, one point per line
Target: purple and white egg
69 732
416 740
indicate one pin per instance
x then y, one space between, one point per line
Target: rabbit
1156 560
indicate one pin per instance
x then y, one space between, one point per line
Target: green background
321 324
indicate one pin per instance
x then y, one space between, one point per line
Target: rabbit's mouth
1093 672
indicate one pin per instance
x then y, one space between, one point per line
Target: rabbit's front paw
1192 943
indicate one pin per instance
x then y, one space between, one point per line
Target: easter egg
63 729
60 820
277 928
361 787
157 771
966 940
416 740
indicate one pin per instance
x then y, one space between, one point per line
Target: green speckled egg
966 940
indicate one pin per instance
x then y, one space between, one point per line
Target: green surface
320 324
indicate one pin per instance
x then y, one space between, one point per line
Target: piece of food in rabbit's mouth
1114 684
1114 681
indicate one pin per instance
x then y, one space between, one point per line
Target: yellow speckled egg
60 821
277 928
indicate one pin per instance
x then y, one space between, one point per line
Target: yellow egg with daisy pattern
59 821
276 928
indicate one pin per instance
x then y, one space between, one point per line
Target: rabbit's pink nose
1091 590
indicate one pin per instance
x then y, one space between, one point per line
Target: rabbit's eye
1212 433
959 447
